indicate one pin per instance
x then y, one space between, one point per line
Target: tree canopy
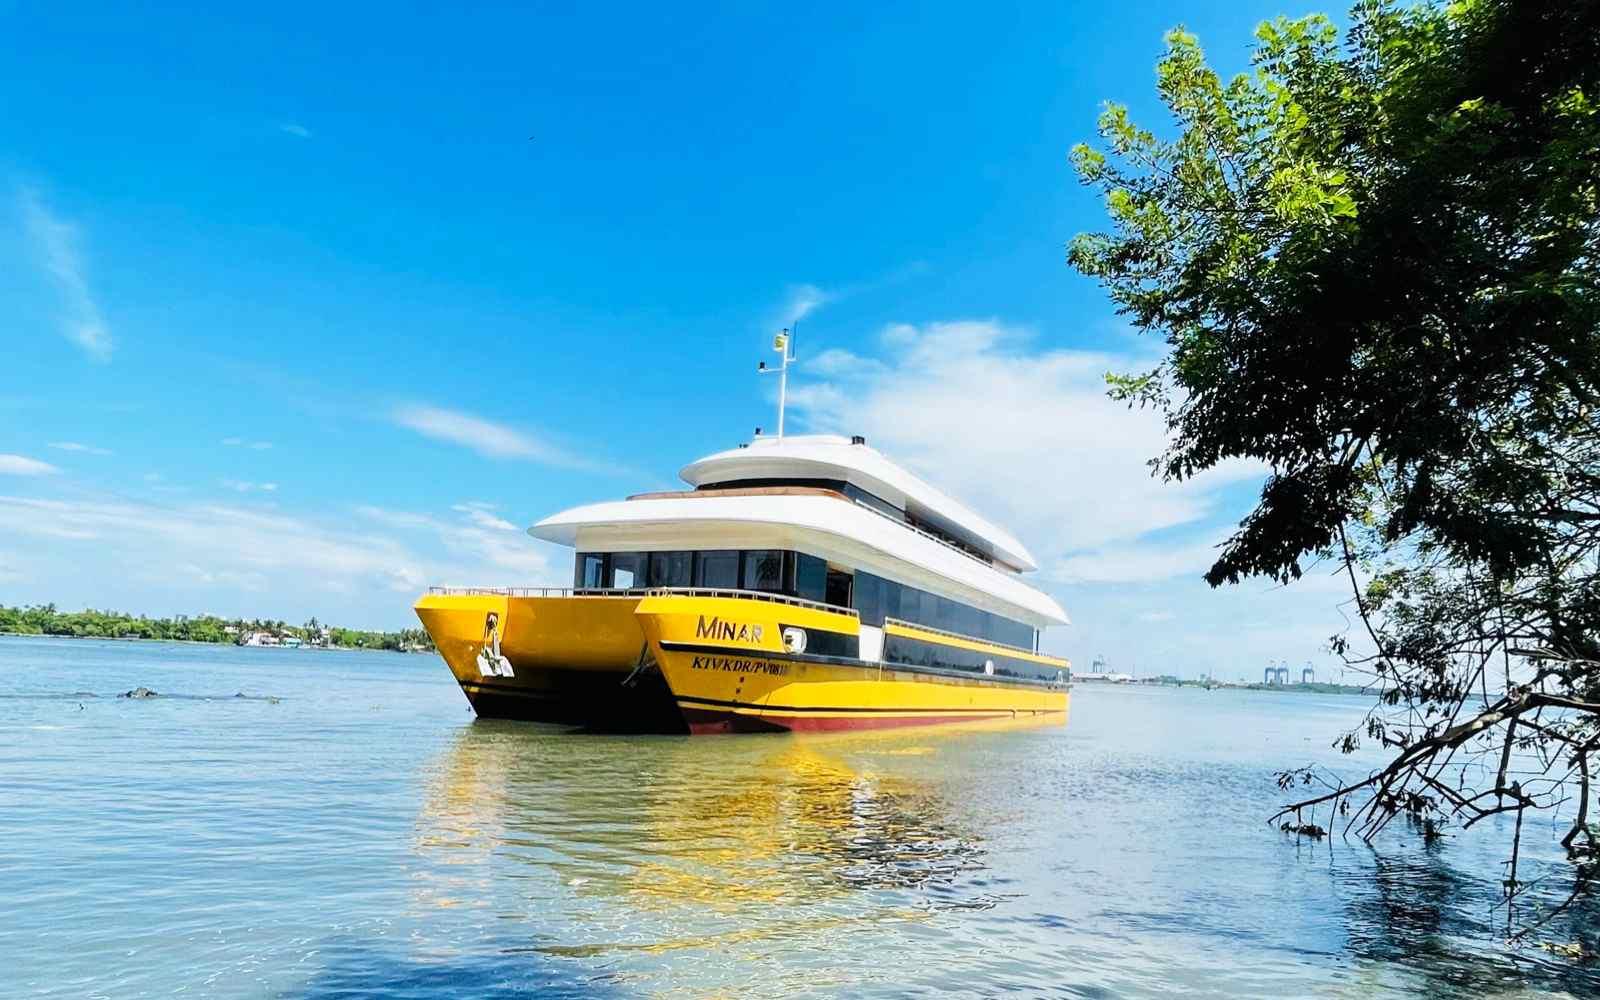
1374 262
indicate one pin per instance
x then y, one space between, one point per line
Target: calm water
362 835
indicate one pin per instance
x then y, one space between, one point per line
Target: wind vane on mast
783 344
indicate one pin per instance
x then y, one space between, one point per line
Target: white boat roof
822 525
828 456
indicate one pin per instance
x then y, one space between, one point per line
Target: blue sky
298 319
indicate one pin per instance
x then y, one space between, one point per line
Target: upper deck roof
826 456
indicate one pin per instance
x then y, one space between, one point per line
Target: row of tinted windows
774 571
903 649
872 500
778 571
878 598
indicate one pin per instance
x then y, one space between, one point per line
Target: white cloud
147 557
295 129
803 300
21 465
169 543
482 550
836 362
78 447
244 486
485 437
56 243
1027 437
1157 616
238 442
1132 562
483 515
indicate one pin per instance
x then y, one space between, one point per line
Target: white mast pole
783 380
780 343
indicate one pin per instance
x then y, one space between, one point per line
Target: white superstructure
833 499
851 460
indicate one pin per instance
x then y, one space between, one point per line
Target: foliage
1375 266
45 619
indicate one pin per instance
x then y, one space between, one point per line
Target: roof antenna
782 343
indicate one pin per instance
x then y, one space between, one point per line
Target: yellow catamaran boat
800 583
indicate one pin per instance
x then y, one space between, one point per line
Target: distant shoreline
1338 689
200 642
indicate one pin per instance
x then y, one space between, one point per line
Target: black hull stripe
688 701
982 680
765 654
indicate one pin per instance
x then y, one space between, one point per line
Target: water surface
348 829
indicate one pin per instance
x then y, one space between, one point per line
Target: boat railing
965 638
538 591
753 595
925 534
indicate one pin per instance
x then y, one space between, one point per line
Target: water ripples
360 835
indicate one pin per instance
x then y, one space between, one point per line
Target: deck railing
926 534
754 595
538 591
966 638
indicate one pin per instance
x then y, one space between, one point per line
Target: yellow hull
729 668
712 663
543 658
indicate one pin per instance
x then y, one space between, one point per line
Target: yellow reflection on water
670 843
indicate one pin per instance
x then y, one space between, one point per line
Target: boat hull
568 659
696 663
729 668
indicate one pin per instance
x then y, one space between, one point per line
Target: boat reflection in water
663 843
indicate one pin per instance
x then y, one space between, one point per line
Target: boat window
671 569
591 571
869 598
627 569
837 587
1014 633
876 598
717 568
874 501
810 577
763 570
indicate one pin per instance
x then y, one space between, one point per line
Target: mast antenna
783 343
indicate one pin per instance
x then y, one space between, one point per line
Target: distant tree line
46 619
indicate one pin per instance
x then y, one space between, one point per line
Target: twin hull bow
703 663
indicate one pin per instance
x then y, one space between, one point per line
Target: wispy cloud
56 242
803 300
21 465
244 486
236 442
86 449
176 545
483 515
363 567
487 438
495 547
295 129
1128 561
